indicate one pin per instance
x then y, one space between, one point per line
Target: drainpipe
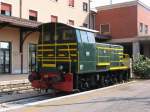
20 9
21 38
89 14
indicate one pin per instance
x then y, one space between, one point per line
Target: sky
96 3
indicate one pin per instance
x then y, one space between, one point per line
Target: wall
143 17
12 35
46 8
123 21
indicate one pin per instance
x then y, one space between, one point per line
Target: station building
127 24
18 23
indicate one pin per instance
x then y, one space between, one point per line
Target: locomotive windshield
85 36
57 33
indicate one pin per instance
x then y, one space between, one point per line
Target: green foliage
141 67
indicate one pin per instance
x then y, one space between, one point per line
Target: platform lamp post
21 38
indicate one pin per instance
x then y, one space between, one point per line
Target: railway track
16 90
11 91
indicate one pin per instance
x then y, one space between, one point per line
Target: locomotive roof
86 29
80 28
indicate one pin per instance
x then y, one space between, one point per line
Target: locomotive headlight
45 75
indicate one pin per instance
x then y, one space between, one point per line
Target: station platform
117 98
125 97
13 79
10 77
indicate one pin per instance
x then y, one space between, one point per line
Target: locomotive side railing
126 60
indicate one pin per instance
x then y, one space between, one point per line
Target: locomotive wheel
126 76
106 80
121 78
102 81
115 78
83 84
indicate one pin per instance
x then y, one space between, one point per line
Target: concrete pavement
132 97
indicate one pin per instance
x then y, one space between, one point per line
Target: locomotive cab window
68 34
84 36
91 37
65 33
59 33
78 36
48 33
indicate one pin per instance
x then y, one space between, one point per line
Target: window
141 27
54 18
146 29
54 0
71 22
91 37
71 3
32 57
5 54
33 15
78 36
85 6
84 36
105 29
6 9
85 25
4 45
68 34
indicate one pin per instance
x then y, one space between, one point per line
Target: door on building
4 57
32 57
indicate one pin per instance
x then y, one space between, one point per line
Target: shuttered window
54 18
71 3
85 25
5 9
85 6
105 29
33 15
71 22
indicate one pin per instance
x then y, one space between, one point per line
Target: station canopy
17 22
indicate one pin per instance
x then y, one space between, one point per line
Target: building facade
128 24
18 22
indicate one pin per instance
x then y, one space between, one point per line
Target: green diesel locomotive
69 59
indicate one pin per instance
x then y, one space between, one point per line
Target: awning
103 37
15 21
